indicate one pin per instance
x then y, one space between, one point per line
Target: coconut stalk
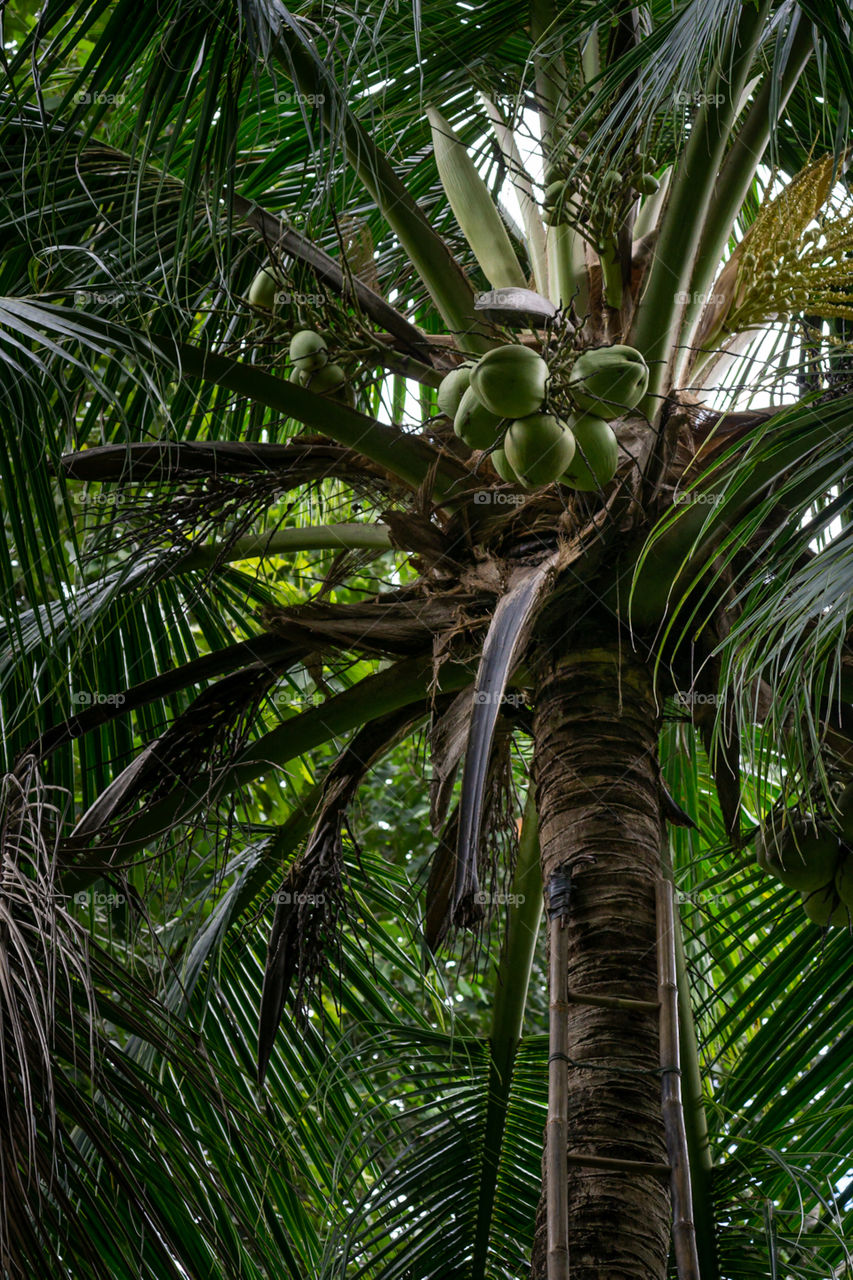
651 208
335 537
557 1127
568 280
683 1229
611 274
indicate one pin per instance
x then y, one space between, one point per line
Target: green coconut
596 455
824 908
452 389
510 381
499 461
263 289
308 350
647 184
538 447
608 381
801 857
324 381
474 423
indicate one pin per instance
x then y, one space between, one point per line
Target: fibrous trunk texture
595 729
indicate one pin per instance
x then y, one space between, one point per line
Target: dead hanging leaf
418 535
505 643
210 732
439 890
358 250
447 738
305 935
499 830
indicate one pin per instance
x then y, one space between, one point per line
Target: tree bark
595 732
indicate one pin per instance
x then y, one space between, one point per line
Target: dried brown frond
310 906
43 955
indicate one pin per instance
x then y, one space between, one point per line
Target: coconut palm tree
249 582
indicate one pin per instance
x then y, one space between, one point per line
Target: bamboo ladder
557 1158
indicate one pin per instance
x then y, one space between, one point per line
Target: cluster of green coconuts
498 404
816 860
312 367
309 353
562 202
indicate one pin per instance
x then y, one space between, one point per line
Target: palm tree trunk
595 733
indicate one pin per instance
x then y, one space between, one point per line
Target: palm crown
260 546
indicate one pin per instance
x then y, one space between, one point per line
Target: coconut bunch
502 404
312 368
604 200
814 858
596 207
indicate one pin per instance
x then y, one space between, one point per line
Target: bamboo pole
683 1229
557 1128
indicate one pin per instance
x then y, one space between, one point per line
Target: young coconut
596 455
452 389
510 381
263 289
538 447
647 184
824 908
499 461
799 856
308 350
326 381
608 381
474 423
